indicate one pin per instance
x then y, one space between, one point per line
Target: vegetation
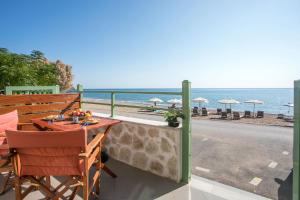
33 69
172 115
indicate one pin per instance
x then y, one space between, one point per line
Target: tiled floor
204 189
135 184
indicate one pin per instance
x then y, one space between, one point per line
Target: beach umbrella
228 101
254 102
200 100
175 101
155 100
289 105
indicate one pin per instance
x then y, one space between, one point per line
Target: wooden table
93 130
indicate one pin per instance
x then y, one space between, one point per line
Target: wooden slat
29 117
37 98
37 108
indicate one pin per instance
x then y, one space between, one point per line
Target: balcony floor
135 184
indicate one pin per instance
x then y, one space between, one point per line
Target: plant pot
173 124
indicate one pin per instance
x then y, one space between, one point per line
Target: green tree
31 70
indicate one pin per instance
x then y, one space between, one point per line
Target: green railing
186 122
296 148
13 90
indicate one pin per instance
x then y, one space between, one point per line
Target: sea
274 98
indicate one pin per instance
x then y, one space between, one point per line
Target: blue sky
159 43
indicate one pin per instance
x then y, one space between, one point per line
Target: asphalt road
236 154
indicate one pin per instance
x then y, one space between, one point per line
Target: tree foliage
33 69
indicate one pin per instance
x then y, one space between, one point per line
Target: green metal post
296 156
186 131
112 105
56 90
80 90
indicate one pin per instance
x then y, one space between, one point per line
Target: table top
68 125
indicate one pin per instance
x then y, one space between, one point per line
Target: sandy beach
269 119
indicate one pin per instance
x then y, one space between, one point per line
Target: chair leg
85 187
107 170
18 189
5 183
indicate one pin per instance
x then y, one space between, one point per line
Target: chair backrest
219 110
228 110
39 105
8 121
204 112
48 153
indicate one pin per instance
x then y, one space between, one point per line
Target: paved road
235 154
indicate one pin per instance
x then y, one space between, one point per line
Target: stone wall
156 149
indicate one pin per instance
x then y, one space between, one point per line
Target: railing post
80 91
56 89
8 90
296 155
112 104
186 131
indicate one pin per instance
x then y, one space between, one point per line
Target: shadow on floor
285 189
133 183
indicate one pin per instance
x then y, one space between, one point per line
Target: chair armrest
92 145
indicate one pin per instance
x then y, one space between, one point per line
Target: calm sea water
274 99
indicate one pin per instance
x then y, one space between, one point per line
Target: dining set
33 149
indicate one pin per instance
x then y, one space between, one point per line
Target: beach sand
269 119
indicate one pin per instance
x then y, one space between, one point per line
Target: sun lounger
204 112
228 110
247 114
224 115
219 111
196 111
236 116
280 116
260 114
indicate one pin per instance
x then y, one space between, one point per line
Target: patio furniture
38 106
204 112
260 114
219 111
223 115
247 114
7 121
236 116
195 111
41 154
228 110
280 116
93 130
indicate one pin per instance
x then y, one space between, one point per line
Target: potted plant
171 116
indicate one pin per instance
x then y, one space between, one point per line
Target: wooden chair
7 121
219 111
39 155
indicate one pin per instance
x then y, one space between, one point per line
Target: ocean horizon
274 98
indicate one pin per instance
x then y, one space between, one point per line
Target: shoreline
268 120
